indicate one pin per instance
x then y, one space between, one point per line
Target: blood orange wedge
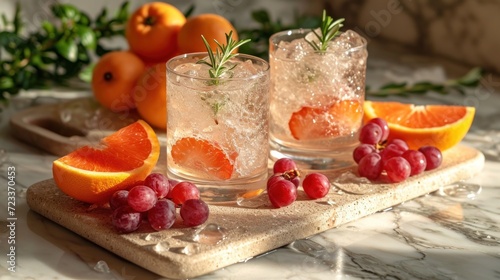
93 173
200 156
340 118
442 126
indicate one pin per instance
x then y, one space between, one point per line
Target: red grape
370 166
141 198
125 219
162 215
362 150
370 133
316 185
401 144
284 164
282 193
274 178
416 160
390 151
383 125
432 155
194 212
159 183
119 198
184 191
397 169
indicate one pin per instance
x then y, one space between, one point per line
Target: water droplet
101 266
161 247
257 201
462 190
152 237
189 249
210 234
308 247
331 202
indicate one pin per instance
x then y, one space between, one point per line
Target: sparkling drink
316 103
217 128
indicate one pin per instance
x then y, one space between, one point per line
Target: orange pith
93 174
340 118
203 157
442 126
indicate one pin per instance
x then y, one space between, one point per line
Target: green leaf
101 18
261 16
122 14
67 48
86 73
87 37
189 11
66 11
394 86
472 78
6 82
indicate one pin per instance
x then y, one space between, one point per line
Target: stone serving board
248 231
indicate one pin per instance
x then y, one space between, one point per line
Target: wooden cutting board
247 231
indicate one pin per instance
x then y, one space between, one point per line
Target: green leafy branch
329 30
57 52
471 79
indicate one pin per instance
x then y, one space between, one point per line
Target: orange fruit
93 173
113 79
211 26
203 157
150 96
340 118
152 30
442 126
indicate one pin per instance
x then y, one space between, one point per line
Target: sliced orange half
93 173
443 126
203 157
340 118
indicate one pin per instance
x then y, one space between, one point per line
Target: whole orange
150 96
152 30
211 26
114 77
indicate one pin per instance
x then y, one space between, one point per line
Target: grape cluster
376 154
156 200
283 184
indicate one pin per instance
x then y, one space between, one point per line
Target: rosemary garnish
329 30
223 53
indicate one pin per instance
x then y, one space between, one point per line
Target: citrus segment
442 126
93 174
201 156
340 118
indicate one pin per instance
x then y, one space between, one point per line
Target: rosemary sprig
223 53
329 30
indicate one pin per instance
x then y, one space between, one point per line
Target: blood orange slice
93 174
340 118
200 156
442 126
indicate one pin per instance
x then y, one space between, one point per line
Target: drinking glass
316 102
218 128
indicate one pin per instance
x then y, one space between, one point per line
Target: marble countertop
453 233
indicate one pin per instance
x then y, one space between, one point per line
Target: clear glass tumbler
217 128
316 103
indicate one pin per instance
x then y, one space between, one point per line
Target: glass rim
305 31
264 71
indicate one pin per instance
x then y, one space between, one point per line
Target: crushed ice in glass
102 266
461 190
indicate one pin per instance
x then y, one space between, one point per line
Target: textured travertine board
249 232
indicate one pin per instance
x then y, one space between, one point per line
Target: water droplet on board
101 266
161 247
308 247
152 237
210 234
462 190
260 200
189 249
331 202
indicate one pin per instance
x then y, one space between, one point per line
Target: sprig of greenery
58 51
471 79
329 30
222 55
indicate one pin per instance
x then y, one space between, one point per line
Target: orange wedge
340 118
443 126
204 158
93 174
